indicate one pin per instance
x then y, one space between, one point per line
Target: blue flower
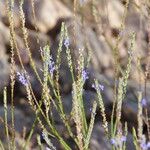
113 141
100 86
22 78
143 144
84 75
91 111
67 42
148 144
118 141
123 139
143 102
51 65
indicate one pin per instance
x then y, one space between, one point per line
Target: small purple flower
118 141
123 138
148 145
22 78
84 75
143 102
51 65
43 135
67 42
143 144
113 141
100 86
91 111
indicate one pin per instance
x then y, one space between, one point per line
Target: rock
65 80
4 65
4 15
36 40
88 97
99 141
47 13
19 142
101 58
5 40
130 142
4 68
101 54
98 138
130 104
140 46
4 34
115 13
129 110
21 121
22 50
135 22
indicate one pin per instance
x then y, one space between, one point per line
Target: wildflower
123 138
148 144
22 78
118 142
91 111
67 43
43 135
112 141
143 144
51 65
143 102
84 75
100 87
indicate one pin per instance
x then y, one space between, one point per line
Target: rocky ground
100 38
